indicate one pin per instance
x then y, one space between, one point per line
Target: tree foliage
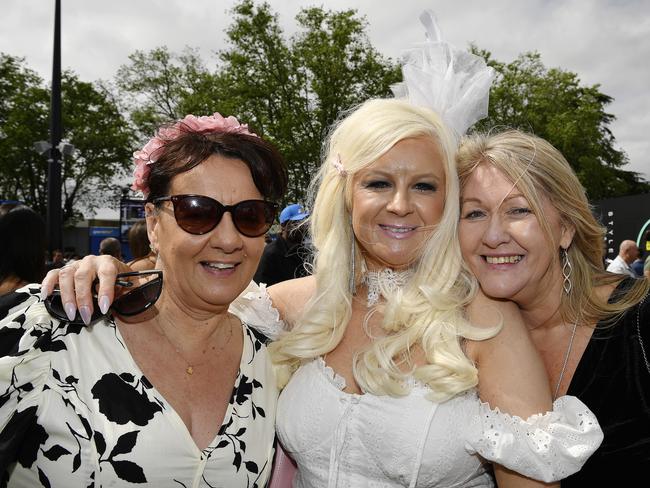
92 122
289 90
553 104
159 86
295 89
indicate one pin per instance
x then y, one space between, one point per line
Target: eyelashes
381 184
513 212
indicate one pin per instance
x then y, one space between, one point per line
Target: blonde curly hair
429 311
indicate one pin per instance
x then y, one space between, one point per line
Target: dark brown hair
22 246
139 240
190 149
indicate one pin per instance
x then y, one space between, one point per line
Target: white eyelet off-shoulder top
341 440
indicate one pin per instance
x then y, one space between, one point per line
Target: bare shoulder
500 323
142 264
290 297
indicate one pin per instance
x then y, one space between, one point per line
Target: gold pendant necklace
189 367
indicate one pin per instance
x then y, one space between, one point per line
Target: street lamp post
54 157
54 220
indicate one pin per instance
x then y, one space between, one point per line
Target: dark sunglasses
132 302
198 214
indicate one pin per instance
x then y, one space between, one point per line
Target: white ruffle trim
546 447
254 307
336 379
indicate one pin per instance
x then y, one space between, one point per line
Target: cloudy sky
605 42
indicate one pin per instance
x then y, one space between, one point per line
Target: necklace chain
638 332
189 367
573 333
566 360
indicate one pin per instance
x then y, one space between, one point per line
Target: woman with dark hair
143 257
170 389
22 249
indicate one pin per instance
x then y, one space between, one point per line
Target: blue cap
293 212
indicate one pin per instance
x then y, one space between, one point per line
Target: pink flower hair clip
338 165
206 124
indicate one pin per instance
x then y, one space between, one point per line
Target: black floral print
79 413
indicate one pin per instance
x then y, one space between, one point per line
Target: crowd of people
437 314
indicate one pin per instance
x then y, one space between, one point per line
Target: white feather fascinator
454 83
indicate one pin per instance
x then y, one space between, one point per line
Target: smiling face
503 242
204 271
397 201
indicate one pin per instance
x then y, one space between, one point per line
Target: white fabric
253 306
381 441
559 442
452 82
618 265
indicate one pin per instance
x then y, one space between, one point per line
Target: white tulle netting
453 82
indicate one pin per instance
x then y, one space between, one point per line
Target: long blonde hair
429 311
540 171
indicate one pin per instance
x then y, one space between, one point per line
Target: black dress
613 380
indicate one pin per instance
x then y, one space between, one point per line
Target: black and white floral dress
76 411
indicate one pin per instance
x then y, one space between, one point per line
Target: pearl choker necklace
382 281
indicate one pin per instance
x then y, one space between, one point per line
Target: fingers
80 287
49 282
76 285
107 269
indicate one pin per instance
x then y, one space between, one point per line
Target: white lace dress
347 440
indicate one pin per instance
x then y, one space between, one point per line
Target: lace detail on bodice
336 379
388 442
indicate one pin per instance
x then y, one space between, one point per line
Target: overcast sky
604 42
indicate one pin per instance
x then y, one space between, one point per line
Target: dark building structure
625 218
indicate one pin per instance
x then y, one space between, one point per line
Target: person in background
287 256
528 235
628 251
143 257
112 247
57 261
163 392
6 207
22 247
637 264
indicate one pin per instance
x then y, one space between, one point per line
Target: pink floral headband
200 125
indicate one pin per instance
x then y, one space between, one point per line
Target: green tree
289 90
159 86
553 104
104 141
23 121
294 89
92 123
